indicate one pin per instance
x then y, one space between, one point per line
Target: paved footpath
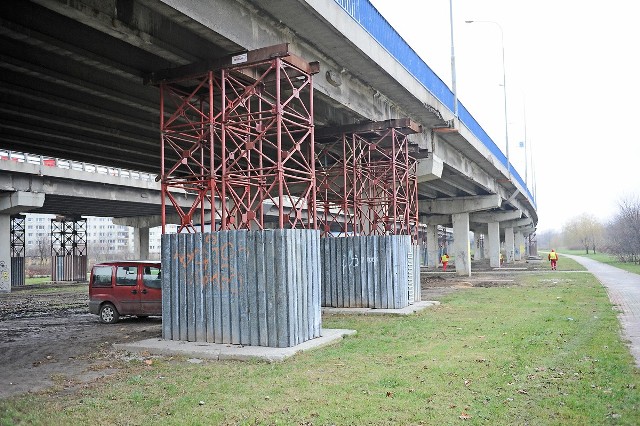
624 291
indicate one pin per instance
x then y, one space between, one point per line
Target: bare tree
41 249
583 232
549 239
623 233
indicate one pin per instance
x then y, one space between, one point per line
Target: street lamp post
504 89
453 63
526 157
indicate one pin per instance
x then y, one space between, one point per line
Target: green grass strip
546 351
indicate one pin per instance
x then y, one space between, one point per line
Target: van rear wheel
108 314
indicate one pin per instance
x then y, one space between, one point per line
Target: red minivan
125 287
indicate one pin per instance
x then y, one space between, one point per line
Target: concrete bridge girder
437 219
516 223
429 169
459 205
153 221
495 216
20 201
85 193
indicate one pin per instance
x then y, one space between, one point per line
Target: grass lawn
606 258
39 280
543 352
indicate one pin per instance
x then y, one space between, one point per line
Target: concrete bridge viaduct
72 85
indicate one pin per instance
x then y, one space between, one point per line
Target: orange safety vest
553 256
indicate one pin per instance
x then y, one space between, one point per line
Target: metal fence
24 157
368 272
258 288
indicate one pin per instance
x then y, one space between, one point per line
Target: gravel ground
50 338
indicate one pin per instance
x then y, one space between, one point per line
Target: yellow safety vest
445 258
553 255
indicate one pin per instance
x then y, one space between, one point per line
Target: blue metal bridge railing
368 17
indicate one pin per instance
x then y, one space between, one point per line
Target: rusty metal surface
240 139
367 182
258 288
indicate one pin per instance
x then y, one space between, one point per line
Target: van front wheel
109 314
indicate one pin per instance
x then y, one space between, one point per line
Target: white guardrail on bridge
21 157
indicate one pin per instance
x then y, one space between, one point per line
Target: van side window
127 275
151 277
102 276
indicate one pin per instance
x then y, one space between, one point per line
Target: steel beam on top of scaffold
405 125
243 58
367 179
242 135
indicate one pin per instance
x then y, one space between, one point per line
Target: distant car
125 288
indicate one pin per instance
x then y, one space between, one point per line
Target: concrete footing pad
409 310
219 352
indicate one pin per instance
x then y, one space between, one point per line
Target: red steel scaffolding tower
238 134
367 180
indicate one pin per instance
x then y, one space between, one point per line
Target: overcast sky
572 69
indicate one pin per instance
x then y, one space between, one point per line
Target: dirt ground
50 338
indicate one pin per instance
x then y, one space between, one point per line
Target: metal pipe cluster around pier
69 268
258 288
18 273
369 272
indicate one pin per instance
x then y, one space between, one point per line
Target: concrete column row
514 244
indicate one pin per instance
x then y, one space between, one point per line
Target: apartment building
103 236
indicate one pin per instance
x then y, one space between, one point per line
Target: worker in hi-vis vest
444 259
553 258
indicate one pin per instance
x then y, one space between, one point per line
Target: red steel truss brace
338 174
241 140
367 181
187 147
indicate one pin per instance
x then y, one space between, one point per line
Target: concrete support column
141 241
494 244
5 253
461 247
433 252
519 249
485 249
478 253
509 245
